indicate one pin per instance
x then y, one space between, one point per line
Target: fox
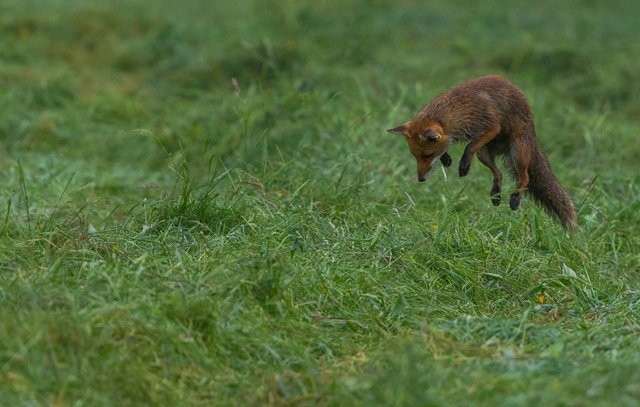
493 116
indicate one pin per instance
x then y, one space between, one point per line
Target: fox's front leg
473 147
445 159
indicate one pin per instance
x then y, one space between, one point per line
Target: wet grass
201 207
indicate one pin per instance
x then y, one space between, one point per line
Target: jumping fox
493 115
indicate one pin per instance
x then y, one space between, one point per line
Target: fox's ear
402 129
430 135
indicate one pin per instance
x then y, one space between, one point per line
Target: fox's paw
514 202
495 196
446 160
463 168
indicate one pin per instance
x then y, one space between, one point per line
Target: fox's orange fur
494 117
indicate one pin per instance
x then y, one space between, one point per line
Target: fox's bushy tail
546 191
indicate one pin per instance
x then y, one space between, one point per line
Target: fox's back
472 108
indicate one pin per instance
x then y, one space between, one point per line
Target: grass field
201 206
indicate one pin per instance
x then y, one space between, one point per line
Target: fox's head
427 142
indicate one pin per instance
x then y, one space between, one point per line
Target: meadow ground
201 206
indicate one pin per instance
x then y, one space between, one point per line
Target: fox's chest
469 125
458 136
500 144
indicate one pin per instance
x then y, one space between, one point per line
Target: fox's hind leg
487 158
520 158
473 147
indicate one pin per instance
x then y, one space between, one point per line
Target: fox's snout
424 169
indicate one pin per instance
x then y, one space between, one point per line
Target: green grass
201 206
